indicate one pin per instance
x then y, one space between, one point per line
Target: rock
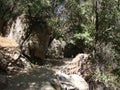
47 87
55 49
79 82
71 82
11 58
31 35
79 65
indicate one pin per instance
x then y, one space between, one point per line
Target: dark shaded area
50 62
31 81
116 71
72 50
3 82
34 79
97 85
39 24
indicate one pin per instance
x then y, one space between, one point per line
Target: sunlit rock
79 65
71 82
31 35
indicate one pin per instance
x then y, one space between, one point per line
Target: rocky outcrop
31 34
56 49
11 58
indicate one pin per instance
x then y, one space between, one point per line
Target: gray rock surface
47 86
73 81
31 36
56 49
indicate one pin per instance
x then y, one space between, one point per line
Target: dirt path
41 75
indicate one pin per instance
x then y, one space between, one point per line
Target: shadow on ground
35 79
31 81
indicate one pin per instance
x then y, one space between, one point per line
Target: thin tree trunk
96 22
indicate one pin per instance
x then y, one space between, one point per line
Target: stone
55 50
73 81
79 82
79 65
31 36
47 87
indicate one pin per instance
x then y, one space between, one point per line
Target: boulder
71 82
55 50
31 35
79 65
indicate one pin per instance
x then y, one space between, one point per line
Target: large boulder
71 82
31 34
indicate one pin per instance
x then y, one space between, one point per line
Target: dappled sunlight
31 81
7 42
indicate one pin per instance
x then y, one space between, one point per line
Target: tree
10 9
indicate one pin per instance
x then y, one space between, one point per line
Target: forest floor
39 76
36 78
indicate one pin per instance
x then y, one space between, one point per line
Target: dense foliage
93 26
